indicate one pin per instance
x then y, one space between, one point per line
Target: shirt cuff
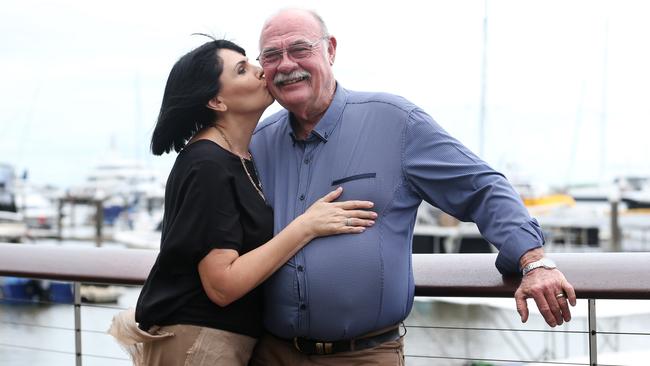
528 236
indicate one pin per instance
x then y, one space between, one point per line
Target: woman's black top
209 203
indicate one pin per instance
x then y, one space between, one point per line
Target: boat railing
595 276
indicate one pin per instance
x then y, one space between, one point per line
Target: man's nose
286 62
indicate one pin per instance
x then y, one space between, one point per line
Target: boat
634 191
100 294
12 224
437 232
12 227
38 205
568 225
18 290
124 186
144 232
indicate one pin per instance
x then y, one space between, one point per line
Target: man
341 298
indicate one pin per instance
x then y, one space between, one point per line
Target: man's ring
560 295
347 222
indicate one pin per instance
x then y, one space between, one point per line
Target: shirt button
302 197
306 160
303 306
301 268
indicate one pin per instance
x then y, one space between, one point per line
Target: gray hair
313 13
321 22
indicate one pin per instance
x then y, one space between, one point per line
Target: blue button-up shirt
382 148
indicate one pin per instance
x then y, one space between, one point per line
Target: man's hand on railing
552 294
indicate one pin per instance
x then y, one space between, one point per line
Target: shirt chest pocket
358 187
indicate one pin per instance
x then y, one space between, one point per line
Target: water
480 344
60 338
522 341
22 344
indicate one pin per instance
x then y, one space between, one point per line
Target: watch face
544 262
548 263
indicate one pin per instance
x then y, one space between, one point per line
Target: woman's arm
226 276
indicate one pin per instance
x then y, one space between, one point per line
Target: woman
201 303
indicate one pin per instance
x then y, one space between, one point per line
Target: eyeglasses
296 51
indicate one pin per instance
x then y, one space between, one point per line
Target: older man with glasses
341 299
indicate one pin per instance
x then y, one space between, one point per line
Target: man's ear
331 50
217 104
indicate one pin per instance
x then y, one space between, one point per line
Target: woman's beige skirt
180 345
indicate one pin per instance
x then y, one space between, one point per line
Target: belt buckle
323 348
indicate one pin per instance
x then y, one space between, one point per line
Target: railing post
593 344
59 220
99 221
615 228
77 322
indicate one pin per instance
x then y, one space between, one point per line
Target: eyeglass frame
282 51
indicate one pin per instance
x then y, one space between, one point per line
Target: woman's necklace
243 163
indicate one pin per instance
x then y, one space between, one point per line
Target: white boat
144 232
139 239
100 294
12 227
12 224
124 186
634 191
38 209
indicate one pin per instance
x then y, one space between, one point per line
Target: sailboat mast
481 117
603 107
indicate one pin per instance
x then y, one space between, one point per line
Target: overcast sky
567 82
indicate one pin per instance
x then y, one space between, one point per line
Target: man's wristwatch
544 262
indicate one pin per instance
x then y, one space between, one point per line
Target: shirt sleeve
448 175
207 218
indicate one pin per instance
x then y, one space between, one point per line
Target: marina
36 315
551 94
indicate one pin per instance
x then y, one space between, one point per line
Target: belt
315 347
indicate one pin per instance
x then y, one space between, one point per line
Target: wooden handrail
594 275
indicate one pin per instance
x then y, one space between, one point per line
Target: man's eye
300 51
272 56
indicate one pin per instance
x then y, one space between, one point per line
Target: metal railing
593 275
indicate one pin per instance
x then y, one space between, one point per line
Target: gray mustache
281 78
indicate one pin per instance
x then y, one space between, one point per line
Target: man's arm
448 175
445 173
548 287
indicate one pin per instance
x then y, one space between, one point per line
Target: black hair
192 82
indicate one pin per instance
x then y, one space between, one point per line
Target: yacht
124 186
12 224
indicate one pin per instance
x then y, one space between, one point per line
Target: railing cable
53 327
35 325
35 348
87 305
504 329
61 352
504 360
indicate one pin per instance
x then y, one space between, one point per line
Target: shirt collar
330 119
